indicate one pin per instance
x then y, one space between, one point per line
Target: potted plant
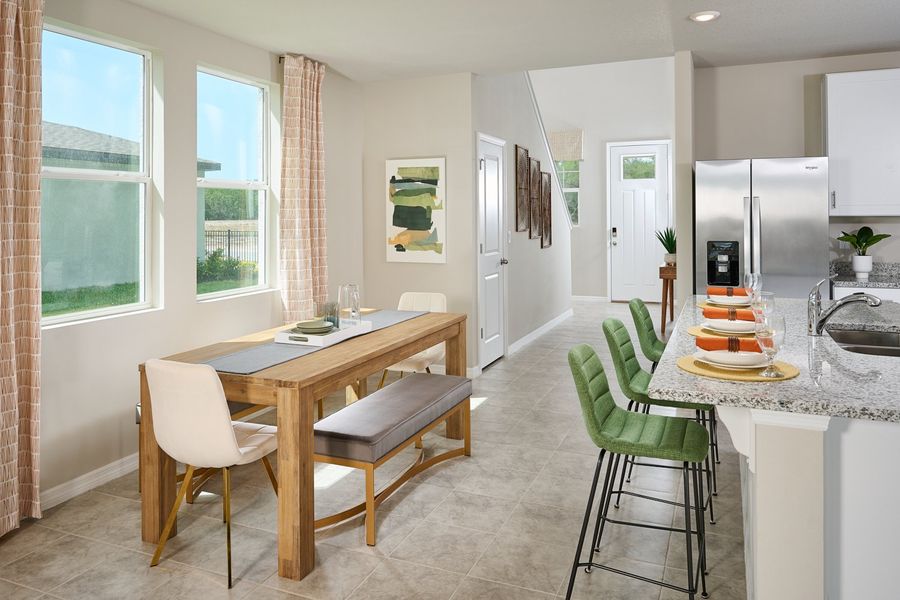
666 237
861 241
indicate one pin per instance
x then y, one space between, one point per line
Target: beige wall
685 117
421 118
90 382
612 102
775 109
539 282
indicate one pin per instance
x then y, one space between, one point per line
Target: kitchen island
819 485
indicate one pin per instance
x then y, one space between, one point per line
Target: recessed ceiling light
705 16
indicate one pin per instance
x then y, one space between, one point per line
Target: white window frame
570 189
262 185
143 177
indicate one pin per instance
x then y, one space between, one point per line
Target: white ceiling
370 40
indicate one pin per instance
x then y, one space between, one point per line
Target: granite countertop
832 381
874 281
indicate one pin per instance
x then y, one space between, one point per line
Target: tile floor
502 524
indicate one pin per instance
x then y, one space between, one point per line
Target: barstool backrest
643 323
190 414
430 301
624 358
598 408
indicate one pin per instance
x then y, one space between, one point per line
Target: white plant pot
670 258
862 266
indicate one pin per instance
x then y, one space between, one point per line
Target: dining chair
421 362
193 425
651 346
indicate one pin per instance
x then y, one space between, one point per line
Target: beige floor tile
397 580
124 575
188 582
600 583
57 562
443 546
413 501
506 456
545 524
498 483
553 490
338 572
473 588
390 531
724 555
25 540
125 486
11 591
522 561
473 511
719 588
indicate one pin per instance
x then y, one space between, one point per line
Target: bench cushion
371 427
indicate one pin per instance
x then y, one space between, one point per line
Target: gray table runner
268 355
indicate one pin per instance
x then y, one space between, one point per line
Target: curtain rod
281 58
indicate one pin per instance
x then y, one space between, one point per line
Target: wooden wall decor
522 180
534 198
546 212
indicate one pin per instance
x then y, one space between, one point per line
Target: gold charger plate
698 330
689 364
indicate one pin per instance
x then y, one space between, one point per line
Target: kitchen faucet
818 317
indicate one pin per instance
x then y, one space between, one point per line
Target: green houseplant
666 237
863 239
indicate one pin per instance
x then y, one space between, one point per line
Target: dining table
293 388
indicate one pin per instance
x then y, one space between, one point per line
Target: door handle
503 261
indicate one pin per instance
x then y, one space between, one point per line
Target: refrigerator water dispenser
723 264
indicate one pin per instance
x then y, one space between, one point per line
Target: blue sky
100 88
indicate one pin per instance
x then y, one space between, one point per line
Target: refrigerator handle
757 234
748 266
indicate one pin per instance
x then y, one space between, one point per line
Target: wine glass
753 283
769 331
763 304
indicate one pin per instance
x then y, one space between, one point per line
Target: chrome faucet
817 317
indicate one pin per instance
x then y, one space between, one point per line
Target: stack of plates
724 359
729 327
729 300
314 327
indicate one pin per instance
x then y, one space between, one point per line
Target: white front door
639 206
491 296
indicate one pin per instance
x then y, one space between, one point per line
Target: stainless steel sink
881 343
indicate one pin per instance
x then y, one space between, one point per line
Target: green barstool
651 346
618 432
634 382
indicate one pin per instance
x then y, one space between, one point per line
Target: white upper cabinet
862 140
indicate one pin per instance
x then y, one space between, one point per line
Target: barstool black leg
604 497
602 514
701 528
710 458
686 474
715 434
584 524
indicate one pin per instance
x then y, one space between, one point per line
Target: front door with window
491 298
639 206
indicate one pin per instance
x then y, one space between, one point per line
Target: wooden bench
371 431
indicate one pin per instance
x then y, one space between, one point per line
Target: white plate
729 300
734 360
726 326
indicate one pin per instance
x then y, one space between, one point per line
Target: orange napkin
732 344
726 291
732 314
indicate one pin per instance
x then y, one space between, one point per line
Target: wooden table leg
665 290
296 487
157 474
456 365
672 300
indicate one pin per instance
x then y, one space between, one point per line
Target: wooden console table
668 275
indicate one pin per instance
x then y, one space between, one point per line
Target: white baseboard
88 481
527 339
591 298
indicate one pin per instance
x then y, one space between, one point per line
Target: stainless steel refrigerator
765 215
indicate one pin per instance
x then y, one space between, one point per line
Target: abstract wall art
546 212
416 210
534 198
522 178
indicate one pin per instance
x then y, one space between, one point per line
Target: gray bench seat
370 428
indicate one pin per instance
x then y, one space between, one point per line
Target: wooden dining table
293 387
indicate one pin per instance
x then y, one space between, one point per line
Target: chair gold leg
270 473
170 522
189 496
370 505
419 443
226 482
383 379
401 374
428 370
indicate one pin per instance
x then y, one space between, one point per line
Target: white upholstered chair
193 425
421 362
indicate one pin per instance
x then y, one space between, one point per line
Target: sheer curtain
20 259
304 266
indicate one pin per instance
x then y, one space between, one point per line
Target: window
568 172
639 167
232 184
94 179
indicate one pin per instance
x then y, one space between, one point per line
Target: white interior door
491 284
639 205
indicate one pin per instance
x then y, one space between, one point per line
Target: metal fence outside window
242 245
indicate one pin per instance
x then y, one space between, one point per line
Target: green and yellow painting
416 210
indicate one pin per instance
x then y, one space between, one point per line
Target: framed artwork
534 198
416 210
546 212
522 196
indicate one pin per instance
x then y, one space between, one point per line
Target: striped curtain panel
304 264
20 259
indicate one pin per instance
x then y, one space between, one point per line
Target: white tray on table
307 339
